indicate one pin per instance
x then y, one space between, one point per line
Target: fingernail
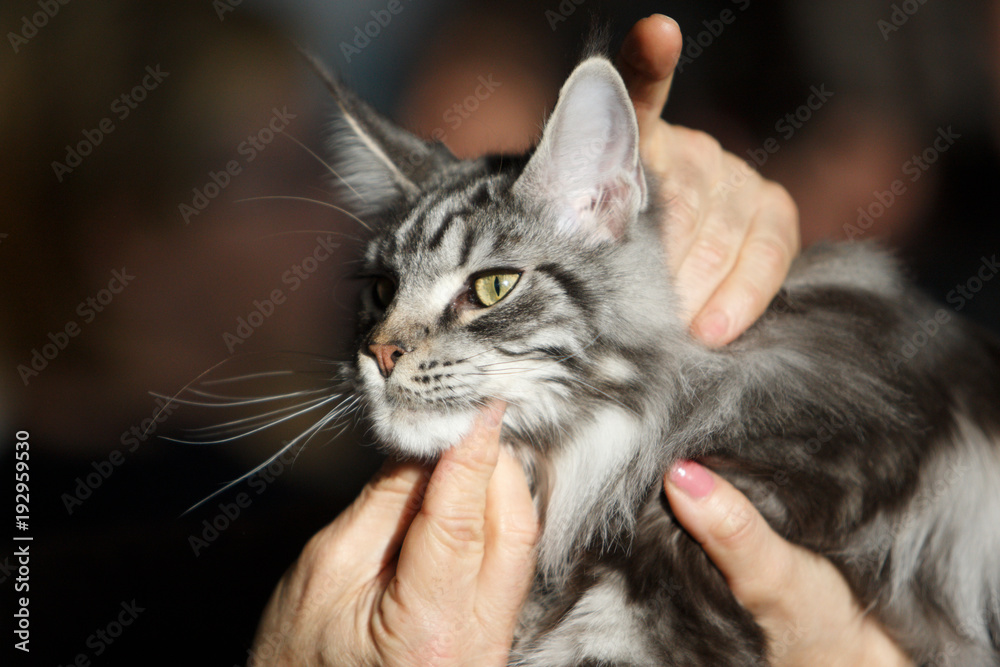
712 327
692 479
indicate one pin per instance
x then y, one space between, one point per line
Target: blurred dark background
127 257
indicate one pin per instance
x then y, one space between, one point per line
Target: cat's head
535 279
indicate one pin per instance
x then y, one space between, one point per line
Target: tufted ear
586 168
376 163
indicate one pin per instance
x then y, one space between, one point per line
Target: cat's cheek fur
412 432
416 433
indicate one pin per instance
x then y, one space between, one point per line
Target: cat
862 419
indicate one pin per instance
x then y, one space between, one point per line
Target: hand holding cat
802 602
731 235
422 569
731 238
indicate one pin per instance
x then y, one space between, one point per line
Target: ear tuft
375 163
586 168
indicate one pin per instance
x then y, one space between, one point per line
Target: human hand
801 601
416 571
731 235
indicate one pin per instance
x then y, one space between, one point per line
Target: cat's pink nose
386 357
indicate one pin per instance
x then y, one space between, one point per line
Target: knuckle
683 215
322 549
738 527
752 298
771 256
521 532
708 255
702 143
738 176
459 532
784 211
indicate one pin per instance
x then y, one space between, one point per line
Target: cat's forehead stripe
470 240
446 224
430 214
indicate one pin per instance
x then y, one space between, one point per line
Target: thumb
755 560
646 61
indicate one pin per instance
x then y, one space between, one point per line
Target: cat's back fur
882 458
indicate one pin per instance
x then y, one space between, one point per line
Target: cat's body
860 418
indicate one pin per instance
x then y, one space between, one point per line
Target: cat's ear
586 168
375 162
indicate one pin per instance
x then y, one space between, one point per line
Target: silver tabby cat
540 280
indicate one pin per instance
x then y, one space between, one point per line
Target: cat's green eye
493 287
385 290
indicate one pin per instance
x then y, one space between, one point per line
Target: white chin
419 433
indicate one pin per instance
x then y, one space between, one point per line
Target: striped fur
884 461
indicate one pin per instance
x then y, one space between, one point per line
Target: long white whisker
251 376
325 164
254 418
261 428
312 201
254 471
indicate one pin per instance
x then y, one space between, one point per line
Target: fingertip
713 327
509 501
653 46
691 478
483 438
711 509
747 292
493 414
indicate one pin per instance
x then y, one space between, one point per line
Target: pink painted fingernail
692 479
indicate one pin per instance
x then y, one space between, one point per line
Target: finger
368 534
443 550
709 259
511 532
760 269
646 61
755 561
